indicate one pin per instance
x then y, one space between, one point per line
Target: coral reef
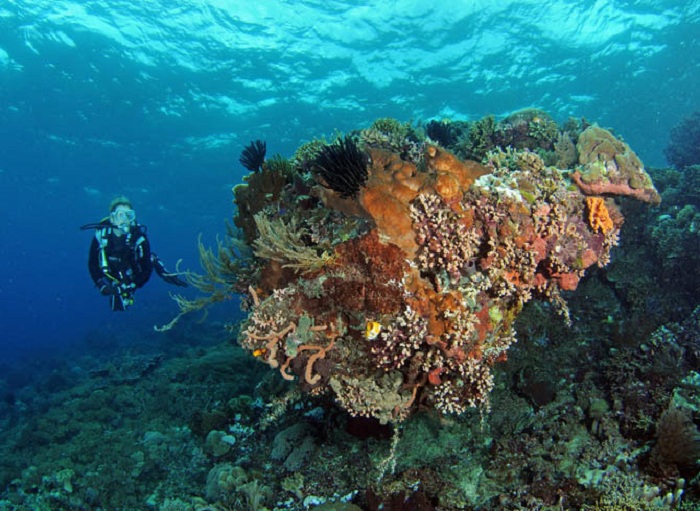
406 295
615 430
439 259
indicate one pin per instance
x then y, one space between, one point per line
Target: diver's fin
116 302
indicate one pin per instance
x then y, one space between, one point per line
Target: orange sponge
598 215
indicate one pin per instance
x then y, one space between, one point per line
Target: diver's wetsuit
126 259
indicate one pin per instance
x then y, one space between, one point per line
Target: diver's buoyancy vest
123 249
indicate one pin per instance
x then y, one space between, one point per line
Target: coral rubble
414 303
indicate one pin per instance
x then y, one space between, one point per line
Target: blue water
155 99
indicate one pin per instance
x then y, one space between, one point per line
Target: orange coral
568 281
393 183
598 215
453 176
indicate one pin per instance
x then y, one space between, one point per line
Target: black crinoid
441 132
253 156
342 167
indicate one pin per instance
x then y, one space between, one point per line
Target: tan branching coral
284 243
225 271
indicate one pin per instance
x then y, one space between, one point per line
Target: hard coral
392 185
608 166
446 241
395 183
453 177
530 128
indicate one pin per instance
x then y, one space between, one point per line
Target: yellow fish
372 330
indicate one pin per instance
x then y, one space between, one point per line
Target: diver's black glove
108 287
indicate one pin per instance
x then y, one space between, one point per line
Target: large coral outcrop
436 258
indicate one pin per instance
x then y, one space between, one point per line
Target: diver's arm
163 273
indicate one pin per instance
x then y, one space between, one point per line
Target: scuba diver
120 259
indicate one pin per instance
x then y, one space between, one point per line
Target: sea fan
253 156
342 166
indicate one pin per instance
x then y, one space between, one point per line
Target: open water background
155 99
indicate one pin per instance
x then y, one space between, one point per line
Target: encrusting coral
410 265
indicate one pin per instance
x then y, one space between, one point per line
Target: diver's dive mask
122 218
